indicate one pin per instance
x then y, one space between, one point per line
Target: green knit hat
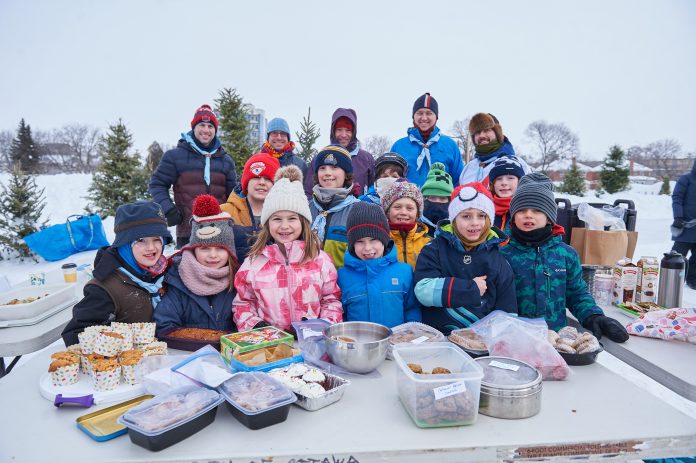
438 182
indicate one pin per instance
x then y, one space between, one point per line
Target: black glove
173 217
678 223
261 324
601 324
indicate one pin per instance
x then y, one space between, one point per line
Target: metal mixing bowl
359 347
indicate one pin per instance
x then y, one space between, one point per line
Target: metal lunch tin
510 389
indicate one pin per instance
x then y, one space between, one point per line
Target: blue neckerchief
152 288
319 223
425 152
188 137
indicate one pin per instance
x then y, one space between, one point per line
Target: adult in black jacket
684 225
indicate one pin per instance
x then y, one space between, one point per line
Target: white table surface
595 413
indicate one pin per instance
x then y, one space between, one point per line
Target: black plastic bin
568 215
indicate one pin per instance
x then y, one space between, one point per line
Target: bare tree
552 141
83 141
662 153
6 137
154 154
376 145
460 132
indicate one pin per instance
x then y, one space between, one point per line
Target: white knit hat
287 194
474 195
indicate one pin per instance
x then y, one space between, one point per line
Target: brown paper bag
599 247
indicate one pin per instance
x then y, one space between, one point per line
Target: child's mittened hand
481 283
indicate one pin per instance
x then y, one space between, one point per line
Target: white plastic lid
256 392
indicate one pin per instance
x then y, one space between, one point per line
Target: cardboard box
648 272
625 281
605 248
245 341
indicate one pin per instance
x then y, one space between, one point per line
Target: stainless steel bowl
359 347
514 393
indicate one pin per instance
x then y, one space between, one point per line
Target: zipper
326 227
403 239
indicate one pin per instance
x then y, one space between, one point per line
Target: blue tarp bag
78 233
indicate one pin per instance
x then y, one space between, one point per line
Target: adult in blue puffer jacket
425 144
198 165
684 225
375 286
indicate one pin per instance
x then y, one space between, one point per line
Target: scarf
202 280
152 288
435 211
488 148
402 227
207 153
383 184
425 152
321 195
533 238
502 205
471 244
268 149
125 252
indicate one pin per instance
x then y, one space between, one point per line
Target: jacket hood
172 276
107 261
374 265
496 237
350 114
294 250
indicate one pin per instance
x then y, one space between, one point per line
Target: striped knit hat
204 114
535 193
425 101
366 220
333 155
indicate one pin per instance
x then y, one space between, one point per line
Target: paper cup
128 373
64 376
107 346
86 339
143 333
106 380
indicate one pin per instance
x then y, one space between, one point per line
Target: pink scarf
202 280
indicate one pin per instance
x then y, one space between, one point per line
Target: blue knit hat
333 155
278 124
507 165
140 220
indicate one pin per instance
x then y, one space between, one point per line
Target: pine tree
307 136
23 149
234 127
614 174
120 177
665 188
574 181
21 205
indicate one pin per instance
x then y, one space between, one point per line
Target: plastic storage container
436 400
413 333
170 418
256 399
567 215
239 366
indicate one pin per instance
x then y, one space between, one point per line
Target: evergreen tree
21 205
574 181
665 188
307 136
234 127
120 177
614 174
23 149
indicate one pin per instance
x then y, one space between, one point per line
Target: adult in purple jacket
344 132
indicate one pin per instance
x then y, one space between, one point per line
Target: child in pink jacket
286 277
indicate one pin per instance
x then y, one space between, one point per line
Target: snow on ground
66 194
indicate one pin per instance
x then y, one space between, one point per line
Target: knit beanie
507 165
536 177
425 101
138 220
483 121
210 226
402 188
278 125
438 182
535 195
204 114
333 155
471 195
387 159
366 220
259 165
287 194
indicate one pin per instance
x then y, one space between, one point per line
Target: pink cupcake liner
64 376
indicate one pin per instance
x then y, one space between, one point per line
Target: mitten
173 217
601 324
678 223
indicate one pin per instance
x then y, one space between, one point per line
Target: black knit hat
382 162
366 219
535 194
138 220
425 101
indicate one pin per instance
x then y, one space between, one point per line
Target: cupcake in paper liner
87 360
96 329
143 333
106 374
108 343
87 339
64 372
129 360
72 357
126 330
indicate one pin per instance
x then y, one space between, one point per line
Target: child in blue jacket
200 282
460 275
375 286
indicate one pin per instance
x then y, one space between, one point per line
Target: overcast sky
613 71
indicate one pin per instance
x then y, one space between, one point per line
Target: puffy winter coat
183 167
335 236
684 203
478 168
409 244
445 151
548 279
238 207
280 290
444 280
378 290
180 307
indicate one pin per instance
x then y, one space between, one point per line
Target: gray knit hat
366 219
210 226
535 193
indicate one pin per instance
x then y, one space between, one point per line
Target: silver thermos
671 285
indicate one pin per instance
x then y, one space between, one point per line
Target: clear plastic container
437 400
413 333
256 399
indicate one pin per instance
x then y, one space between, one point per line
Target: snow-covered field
67 194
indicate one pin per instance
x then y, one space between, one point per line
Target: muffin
106 374
64 372
126 330
143 333
129 359
108 343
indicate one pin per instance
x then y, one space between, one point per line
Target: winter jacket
371 196
478 168
548 279
444 280
238 207
378 290
109 297
180 307
363 162
335 237
244 238
444 150
280 290
409 244
503 222
183 167
684 204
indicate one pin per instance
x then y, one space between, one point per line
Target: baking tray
191 345
37 319
102 426
50 297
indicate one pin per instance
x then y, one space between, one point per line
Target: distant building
257 124
556 171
